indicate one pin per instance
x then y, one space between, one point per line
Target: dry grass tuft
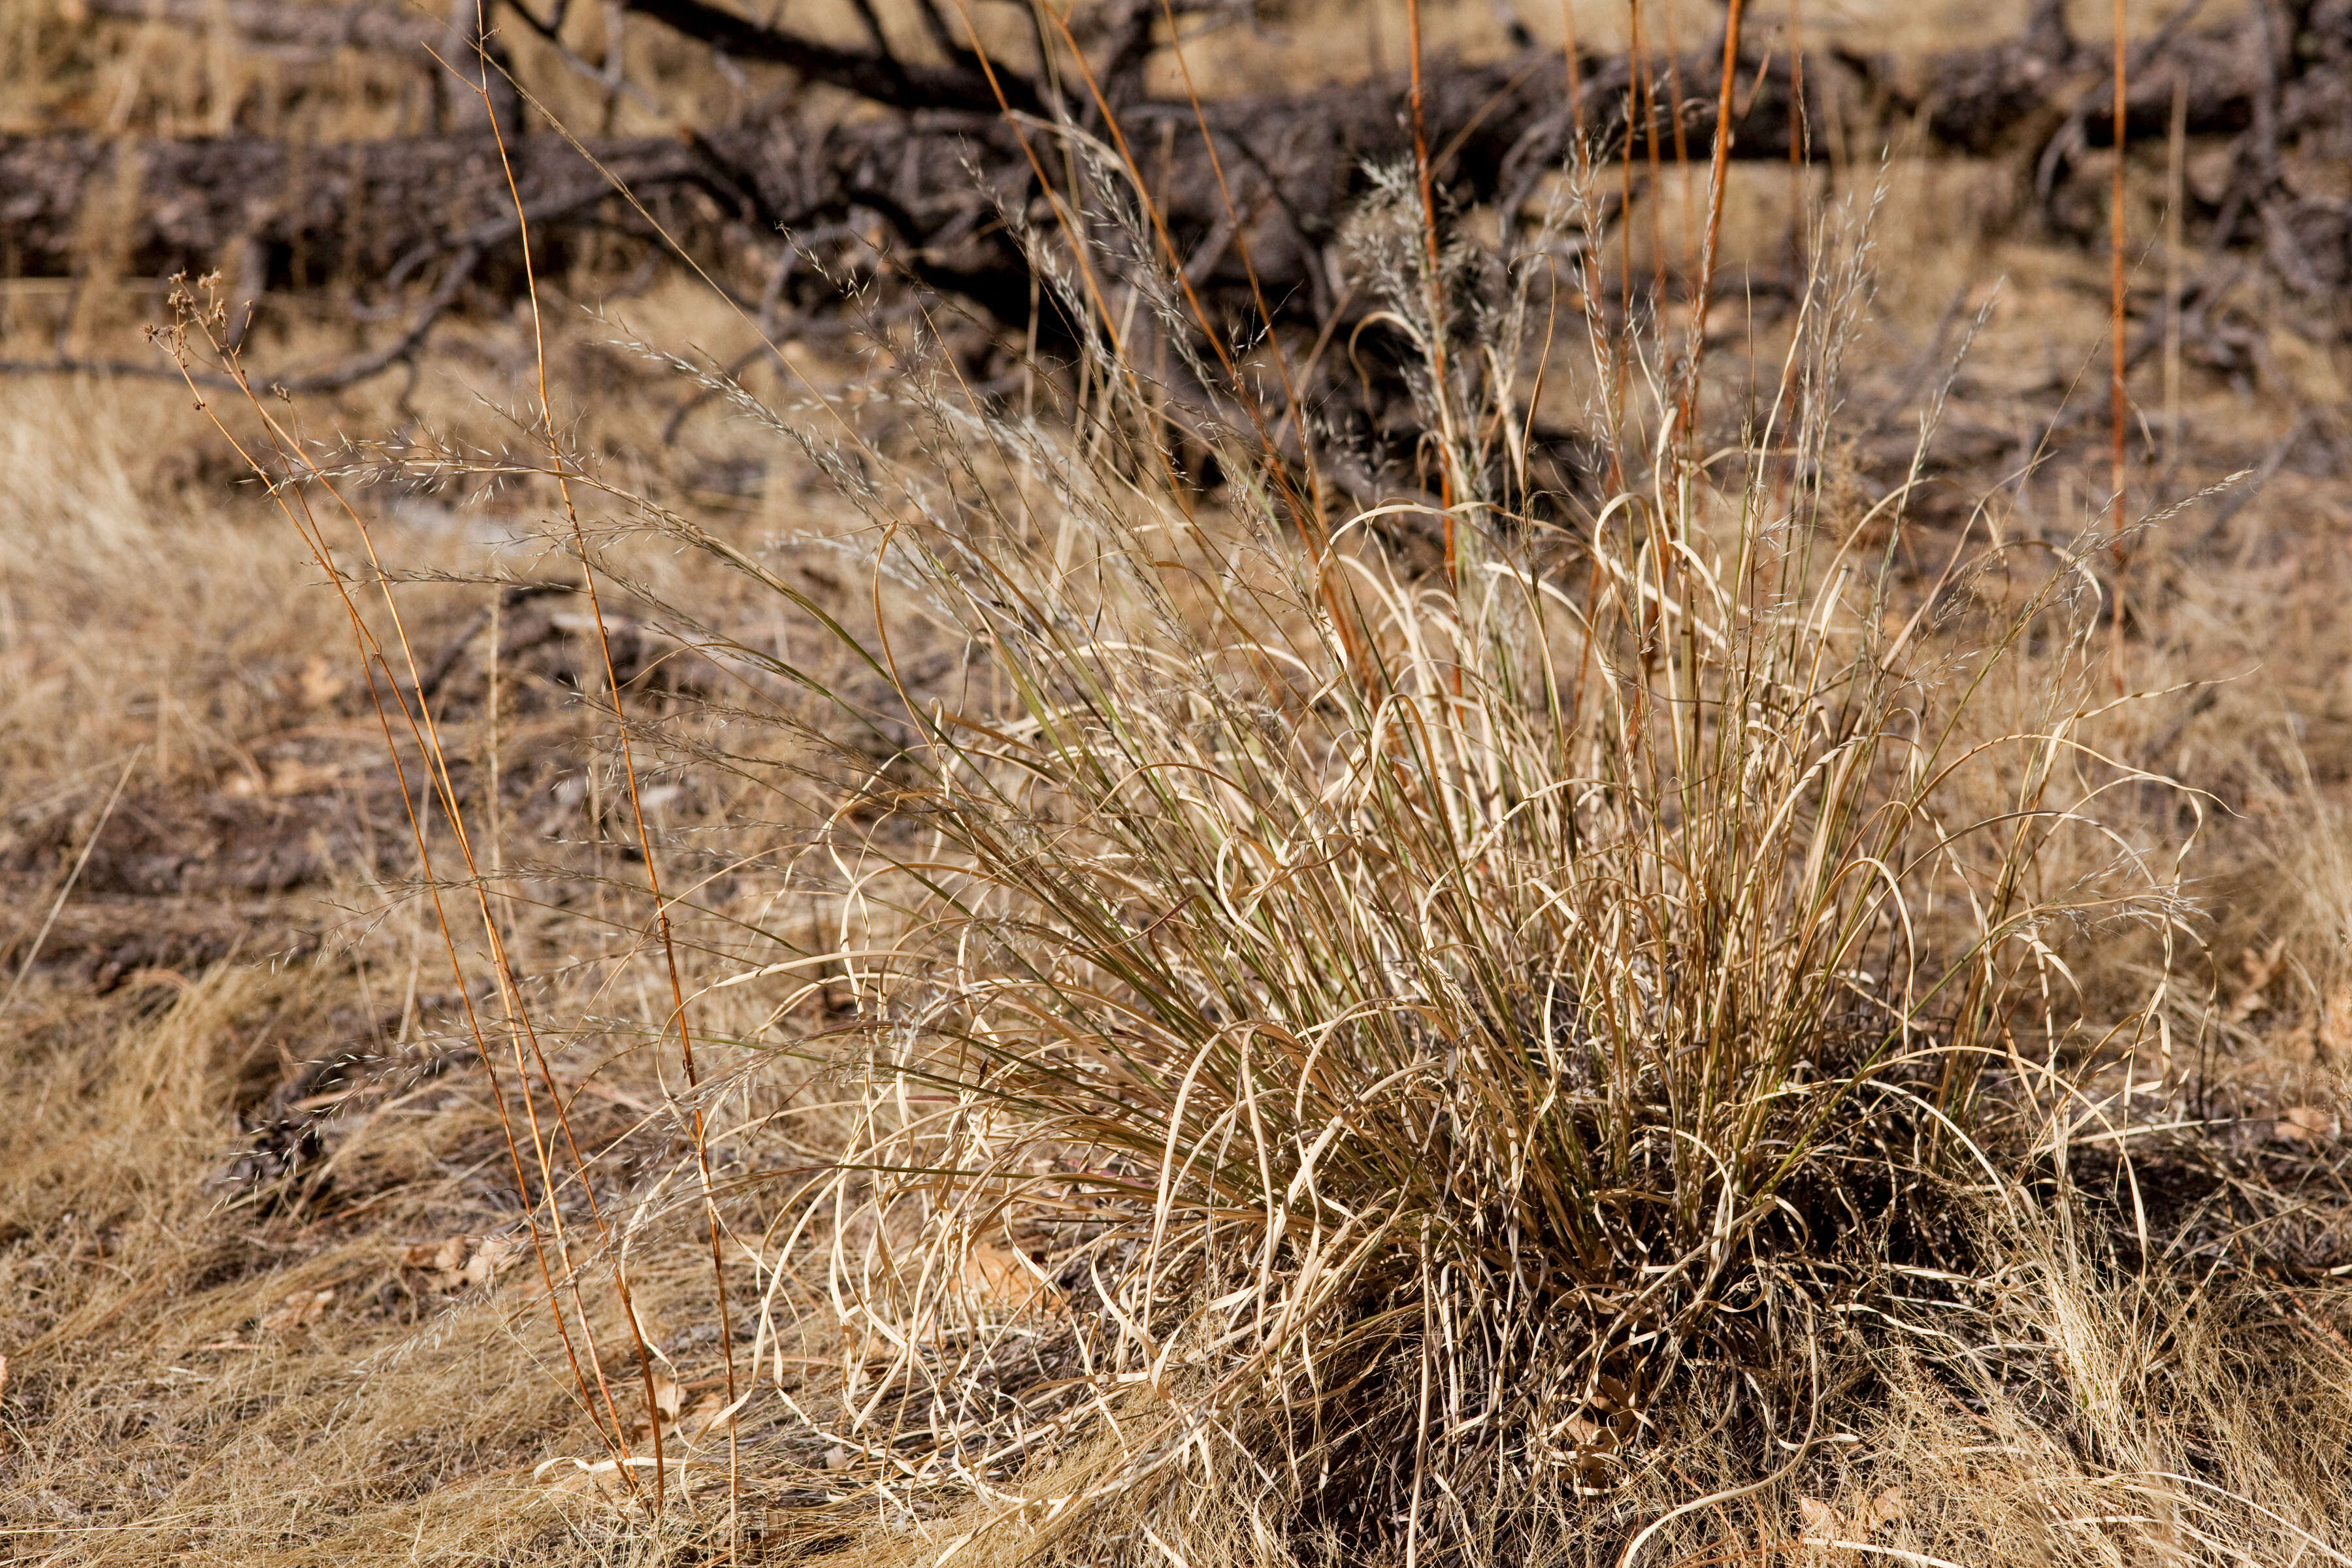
1546 1063
1692 1034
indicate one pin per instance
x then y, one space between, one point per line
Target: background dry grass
259 1292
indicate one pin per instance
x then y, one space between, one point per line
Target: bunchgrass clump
1369 1063
1473 1022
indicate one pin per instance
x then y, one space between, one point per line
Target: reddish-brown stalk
2176 175
653 877
1241 237
1433 287
372 658
425 734
523 1033
1307 512
1646 79
1646 94
1717 175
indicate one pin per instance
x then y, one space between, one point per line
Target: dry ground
262 1297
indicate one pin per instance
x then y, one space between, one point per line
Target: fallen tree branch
284 25
942 179
1503 126
320 30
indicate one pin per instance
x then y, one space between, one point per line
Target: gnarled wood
395 214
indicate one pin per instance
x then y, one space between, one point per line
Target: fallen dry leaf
1822 1521
600 1482
2333 1034
437 1256
1602 1436
1594 1446
288 775
2259 967
319 683
493 1256
1002 1280
463 1260
709 1413
2305 1124
298 1310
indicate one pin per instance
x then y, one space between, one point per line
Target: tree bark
391 216
1297 158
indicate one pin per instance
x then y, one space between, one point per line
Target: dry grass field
607 959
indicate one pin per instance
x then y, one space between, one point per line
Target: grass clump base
1552 1057
1618 1025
